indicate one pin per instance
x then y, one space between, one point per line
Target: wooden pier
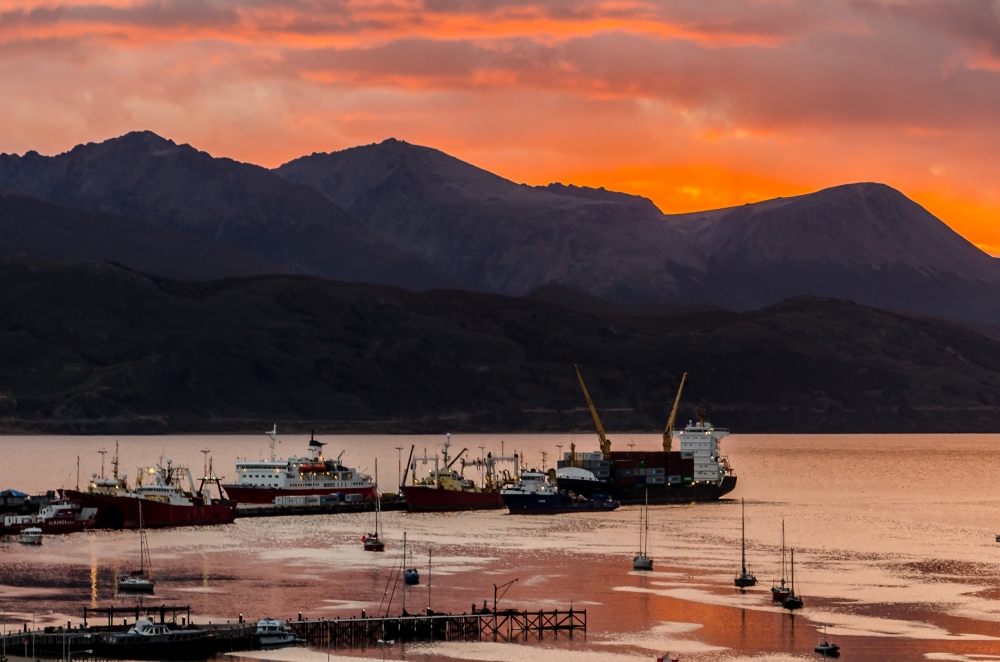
508 625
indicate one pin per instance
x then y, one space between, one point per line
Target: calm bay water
894 539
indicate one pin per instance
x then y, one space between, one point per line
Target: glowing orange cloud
692 104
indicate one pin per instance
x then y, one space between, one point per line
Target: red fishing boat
444 490
165 502
58 517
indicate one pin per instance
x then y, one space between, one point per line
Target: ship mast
743 545
605 442
273 435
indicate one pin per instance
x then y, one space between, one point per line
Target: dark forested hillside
102 348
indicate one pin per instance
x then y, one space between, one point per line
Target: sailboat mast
645 544
404 572
793 572
743 538
782 552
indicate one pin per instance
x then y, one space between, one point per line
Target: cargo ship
445 489
313 475
697 472
164 501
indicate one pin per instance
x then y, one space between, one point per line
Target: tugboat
314 475
744 579
140 581
30 536
642 560
780 592
373 541
447 490
410 575
793 602
534 493
272 633
825 647
147 640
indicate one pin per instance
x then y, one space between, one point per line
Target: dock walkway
505 625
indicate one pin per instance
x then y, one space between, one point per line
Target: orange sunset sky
693 103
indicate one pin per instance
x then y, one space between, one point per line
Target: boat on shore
696 473
313 475
534 493
445 490
166 500
411 576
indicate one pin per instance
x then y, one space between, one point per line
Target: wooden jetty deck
506 625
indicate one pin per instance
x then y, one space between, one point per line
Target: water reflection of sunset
898 567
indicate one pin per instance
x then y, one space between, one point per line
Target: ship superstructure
262 481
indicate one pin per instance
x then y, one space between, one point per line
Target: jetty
270 510
66 642
505 625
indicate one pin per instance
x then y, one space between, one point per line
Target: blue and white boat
535 493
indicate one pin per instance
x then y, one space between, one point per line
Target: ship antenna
273 434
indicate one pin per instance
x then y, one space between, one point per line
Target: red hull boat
423 499
123 511
56 519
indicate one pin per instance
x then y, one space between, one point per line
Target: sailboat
745 578
780 592
141 580
793 601
410 575
373 541
642 560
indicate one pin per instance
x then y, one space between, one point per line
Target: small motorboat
792 602
642 560
745 579
825 647
668 657
30 536
272 633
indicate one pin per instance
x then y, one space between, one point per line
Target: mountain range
398 214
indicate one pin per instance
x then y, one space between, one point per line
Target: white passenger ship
313 475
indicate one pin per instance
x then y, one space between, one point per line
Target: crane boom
605 444
455 459
669 432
